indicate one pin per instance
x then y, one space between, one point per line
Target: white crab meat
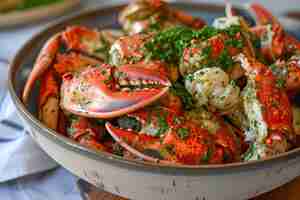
226 22
258 129
212 87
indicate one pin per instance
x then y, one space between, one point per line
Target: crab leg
276 44
82 131
267 108
43 62
120 136
269 30
49 100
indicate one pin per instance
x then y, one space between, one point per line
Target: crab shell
107 92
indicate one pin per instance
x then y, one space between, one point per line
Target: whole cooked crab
171 89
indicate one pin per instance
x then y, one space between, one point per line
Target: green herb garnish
168 45
225 60
232 30
129 123
117 149
234 43
183 133
207 156
162 123
179 90
280 83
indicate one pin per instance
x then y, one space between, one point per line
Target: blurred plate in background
14 18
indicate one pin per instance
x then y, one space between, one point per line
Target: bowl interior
97 18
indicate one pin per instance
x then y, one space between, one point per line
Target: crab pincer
160 135
107 92
267 108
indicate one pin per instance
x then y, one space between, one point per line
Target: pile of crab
171 89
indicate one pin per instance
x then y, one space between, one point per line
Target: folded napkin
20 156
56 184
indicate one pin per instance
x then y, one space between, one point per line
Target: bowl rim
104 156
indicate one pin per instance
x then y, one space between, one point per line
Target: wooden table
290 191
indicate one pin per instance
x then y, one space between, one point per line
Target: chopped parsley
273 67
117 149
234 43
104 49
71 130
179 90
207 156
251 153
156 23
129 123
280 83
233 83
206 52
99 122
162 123
232 30
168 45
256 43
183 133
225 60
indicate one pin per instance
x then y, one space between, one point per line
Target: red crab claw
76 38
49 112
107 92
140 133
276 115
158 134
270 28
127 138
